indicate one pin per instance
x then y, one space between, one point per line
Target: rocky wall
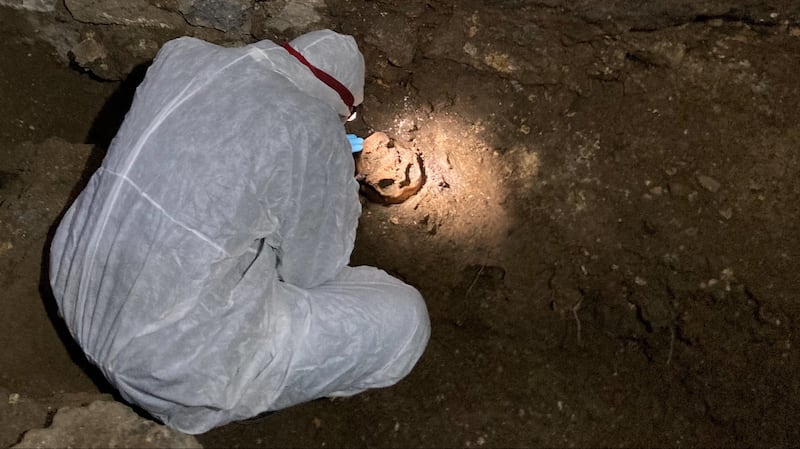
109 38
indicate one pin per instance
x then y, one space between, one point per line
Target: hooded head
338 56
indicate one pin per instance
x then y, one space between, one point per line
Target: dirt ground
607 239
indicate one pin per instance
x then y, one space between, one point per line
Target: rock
112 55
104 424
88 51
123 12
287 15
708 183
224 15
56 33
5 247
661 54
678 189
389 173
31 5
393 36
18 414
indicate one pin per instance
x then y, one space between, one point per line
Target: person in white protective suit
204 268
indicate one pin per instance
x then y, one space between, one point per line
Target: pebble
5 247
726 274
678 189
726 213
708 183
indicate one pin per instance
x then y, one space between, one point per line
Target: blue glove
356 143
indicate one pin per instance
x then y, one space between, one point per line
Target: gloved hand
356 143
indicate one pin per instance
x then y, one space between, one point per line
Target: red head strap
333 83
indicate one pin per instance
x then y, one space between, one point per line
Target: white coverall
204 266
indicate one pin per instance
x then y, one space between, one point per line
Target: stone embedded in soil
113 56
678 189
88 51
224 15
105 424
299 16
31 5
708 183
123 12
389 172
661 54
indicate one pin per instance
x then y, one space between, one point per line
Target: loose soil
608 251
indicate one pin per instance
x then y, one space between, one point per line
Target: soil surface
607 238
